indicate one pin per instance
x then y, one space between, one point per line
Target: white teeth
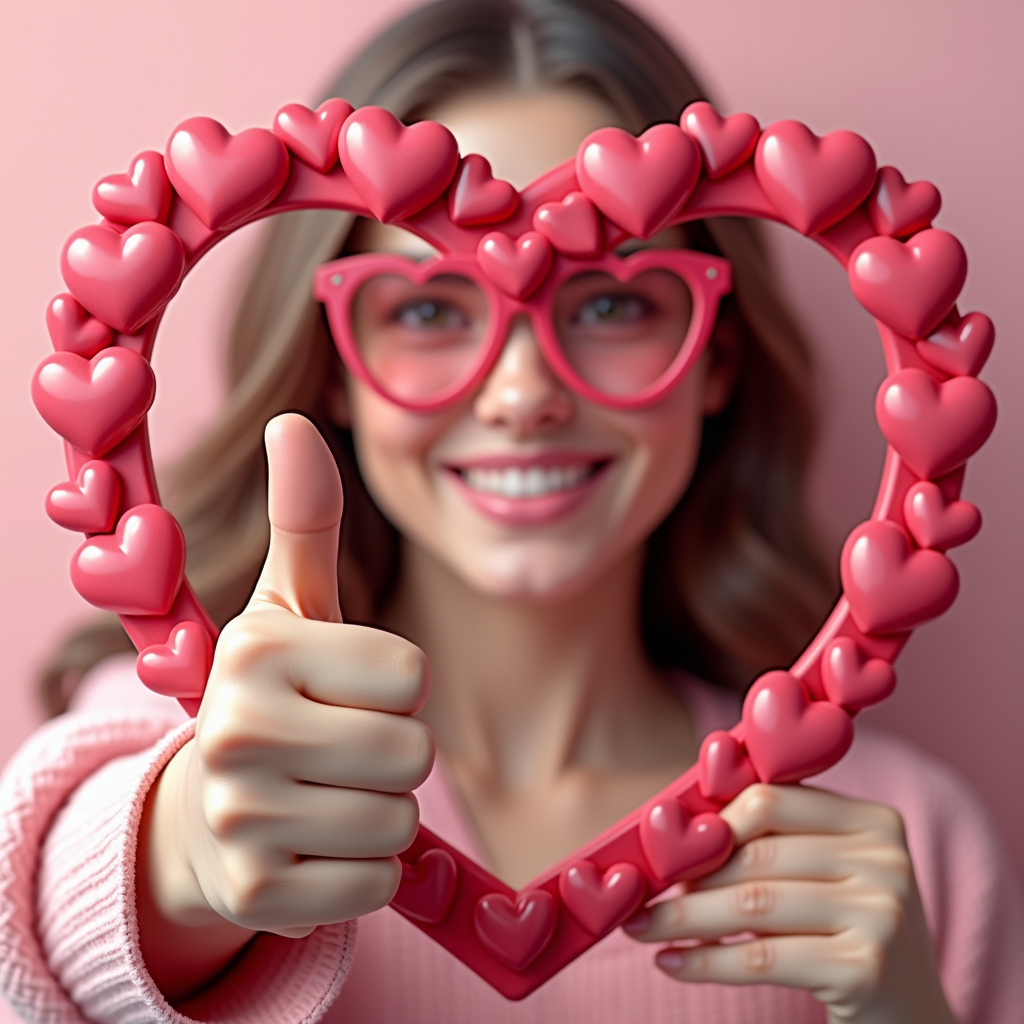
534 482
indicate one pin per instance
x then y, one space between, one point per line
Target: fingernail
671 960
639 923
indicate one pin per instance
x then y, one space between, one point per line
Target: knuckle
760 804
759 956
411 673
759 854
755 899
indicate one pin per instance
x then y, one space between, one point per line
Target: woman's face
525 490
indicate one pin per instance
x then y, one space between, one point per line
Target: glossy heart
677 846
516 933
601 901
725 142
638 182
899 209
312 135
813 182
123 279
572 226
477 197
725 770
935 523
890 586
94 403
72 329
397 170
516 266
138 569
223 178
934 426
144 193
178 668
853 680
88 504
427 887
959 346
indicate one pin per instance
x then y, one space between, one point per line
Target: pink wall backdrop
935 86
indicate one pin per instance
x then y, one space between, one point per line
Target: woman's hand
827 888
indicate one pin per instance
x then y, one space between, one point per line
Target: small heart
94 403
911 285
88 504
934 426
516 933
428 887
178 668
601 901
852 679
123 278
572 226
788 736
725 142
639 183
935 524
138 569
813 182
891 587
899 209
725 770
72 329
397 170
517 266
477 197
222 177
679 847
144 193
312 135
959 346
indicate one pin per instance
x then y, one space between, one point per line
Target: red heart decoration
428 887
601 901
312 135
123 278
397 170
477 197
934 427
222 177
891 587
725 770
144 193
960 345
516 266
725 142
638 182
899 209
138 569
788 736
679 847
909 285
72 329
935 524
178 668
516 933
94 403
88 504
853 680
813 182
572 226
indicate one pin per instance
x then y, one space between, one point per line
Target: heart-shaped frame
96 390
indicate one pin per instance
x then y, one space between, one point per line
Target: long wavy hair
735 580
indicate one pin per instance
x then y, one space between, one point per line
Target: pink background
934 85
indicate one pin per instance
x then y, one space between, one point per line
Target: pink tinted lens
621 337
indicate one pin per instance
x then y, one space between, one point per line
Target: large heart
144 193
312 135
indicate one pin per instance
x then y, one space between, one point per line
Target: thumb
304 503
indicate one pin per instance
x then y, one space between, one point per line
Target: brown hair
734 582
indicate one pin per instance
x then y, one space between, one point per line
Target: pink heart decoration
516 266
88 504
178 668
397 170
72 329
123 278
639 183
935 524
813 182
572 226
601 901
788 736
477 197
312 135
138 569
891 587
94 403
144 193
934 427
516 933
725 770
959 346
679 847
428 887
224 178
899 209
853 680
725 142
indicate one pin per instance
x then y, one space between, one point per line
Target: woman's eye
430 315
612 309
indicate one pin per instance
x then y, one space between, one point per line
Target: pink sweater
70 803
